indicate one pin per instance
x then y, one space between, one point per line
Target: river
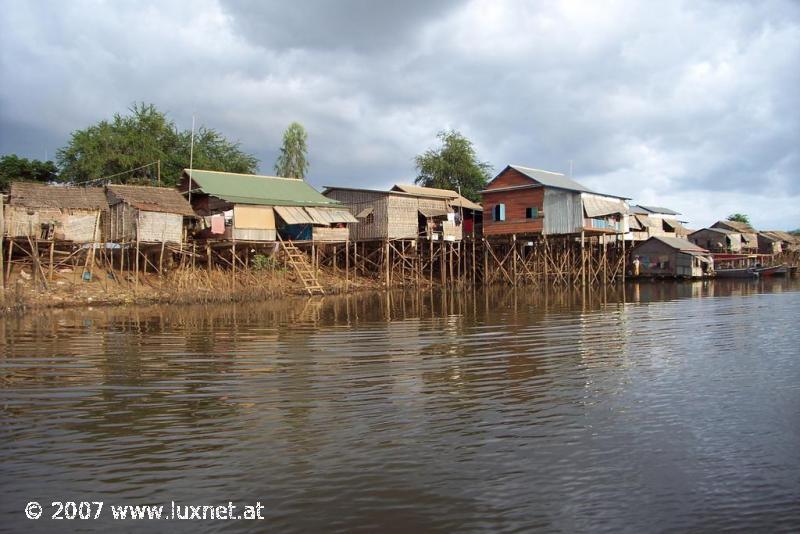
662 406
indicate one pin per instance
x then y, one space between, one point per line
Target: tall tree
739 217
453 165
136 140
13 168
293 159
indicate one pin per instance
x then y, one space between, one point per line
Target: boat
749 272
775 270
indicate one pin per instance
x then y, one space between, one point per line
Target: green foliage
261 262
455 164
13 168
739 217
795 232
140 138
293 159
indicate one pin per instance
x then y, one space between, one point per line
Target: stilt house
718 240
749 237
777 241
61 213
662 256
408 212
248 207
146 214
645 222
526 201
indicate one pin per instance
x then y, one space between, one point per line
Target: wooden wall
516 202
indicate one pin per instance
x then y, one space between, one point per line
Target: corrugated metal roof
598 207
432 212
645 221
677 243
552 179
718 230
147 198
363 213
735 226
330 216
466 203
638 210
456 199
780 235
656 209
33 195
295 215
425 191
255 189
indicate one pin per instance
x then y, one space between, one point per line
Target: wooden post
161 259
485 261
137 257
208 256
233 264
514 256
347 263
386 261
583 259
473 261
624 262
430 241
52 252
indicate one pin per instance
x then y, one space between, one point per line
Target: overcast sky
691 105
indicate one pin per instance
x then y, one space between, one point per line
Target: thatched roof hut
63 213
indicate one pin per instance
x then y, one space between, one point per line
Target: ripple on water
485 411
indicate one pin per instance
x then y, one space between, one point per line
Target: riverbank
67 288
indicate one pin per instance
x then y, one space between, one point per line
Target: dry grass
179 286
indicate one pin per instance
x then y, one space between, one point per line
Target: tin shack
674 257
408 212
249 207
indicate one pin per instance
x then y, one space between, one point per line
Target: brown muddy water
666 406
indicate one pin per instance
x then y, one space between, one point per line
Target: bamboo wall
69 225
369 229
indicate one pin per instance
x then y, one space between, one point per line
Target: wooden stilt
386 262
583 259
137 258
52 253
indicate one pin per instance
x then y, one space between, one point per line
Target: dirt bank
67 288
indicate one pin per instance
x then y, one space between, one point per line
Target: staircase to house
302 267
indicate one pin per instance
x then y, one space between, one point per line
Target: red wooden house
525 201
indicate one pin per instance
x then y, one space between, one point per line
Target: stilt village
531 227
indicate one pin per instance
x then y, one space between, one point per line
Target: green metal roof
254 189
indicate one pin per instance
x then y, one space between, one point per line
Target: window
499 212
370 218
531 213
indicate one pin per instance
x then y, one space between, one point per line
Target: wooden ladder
301 266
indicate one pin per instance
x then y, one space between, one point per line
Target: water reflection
602 409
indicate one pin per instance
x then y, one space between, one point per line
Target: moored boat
748 272
775 270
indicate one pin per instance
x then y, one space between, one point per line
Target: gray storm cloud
692 105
